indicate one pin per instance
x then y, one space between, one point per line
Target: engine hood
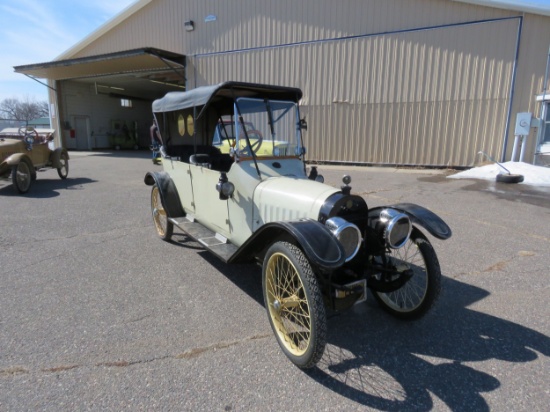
288 198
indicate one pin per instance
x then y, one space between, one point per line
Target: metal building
418 82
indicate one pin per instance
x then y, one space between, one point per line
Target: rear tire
294 304
164 227
63 171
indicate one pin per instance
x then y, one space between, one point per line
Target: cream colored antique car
25 150
319 246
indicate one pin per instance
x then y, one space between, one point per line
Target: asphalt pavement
98 313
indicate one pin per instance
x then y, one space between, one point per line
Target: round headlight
397 229
347 234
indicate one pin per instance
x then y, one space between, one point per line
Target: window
546 123
125 102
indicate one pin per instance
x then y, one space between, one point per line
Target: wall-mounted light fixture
189 25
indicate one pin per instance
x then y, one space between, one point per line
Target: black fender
320 246
55 156
421 216
168 192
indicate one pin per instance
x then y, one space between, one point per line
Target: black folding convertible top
223 93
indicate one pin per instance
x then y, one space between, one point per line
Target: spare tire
509 178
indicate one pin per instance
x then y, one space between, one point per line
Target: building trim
512 89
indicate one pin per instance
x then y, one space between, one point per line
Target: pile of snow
533 175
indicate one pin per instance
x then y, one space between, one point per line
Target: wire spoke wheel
22 177
417 260
164 227
294 304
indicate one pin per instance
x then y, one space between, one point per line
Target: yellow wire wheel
164 227
294 304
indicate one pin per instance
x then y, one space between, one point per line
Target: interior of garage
104 101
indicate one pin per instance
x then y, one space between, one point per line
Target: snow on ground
533 175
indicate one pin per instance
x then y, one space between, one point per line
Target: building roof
541 7
39 121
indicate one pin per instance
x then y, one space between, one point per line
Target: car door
181 176
209 209
40 154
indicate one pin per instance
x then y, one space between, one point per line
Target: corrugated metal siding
432 97
446 86
260 23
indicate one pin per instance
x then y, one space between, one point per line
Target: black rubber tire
511 178
21 176
63 171
425 285
164 227
294 304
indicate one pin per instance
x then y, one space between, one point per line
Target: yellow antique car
25 150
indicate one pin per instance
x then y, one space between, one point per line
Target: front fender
56 155
421 216
168 192
319 245
16 158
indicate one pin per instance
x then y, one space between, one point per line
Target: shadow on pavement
47 188
391 365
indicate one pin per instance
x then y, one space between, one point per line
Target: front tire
21 176
164 227
63 171
294 304
419 293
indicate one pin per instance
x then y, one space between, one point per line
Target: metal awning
124 62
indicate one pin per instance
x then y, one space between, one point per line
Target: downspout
511 96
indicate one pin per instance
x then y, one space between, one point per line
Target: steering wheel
255 135
27 133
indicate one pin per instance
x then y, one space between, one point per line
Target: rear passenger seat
209 155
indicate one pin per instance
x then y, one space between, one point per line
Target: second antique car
25 150
319 246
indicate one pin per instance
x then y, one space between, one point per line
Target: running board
211 241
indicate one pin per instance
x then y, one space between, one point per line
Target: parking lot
98 313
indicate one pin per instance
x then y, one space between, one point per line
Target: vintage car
319 246
25 150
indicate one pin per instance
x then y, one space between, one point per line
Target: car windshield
275 130
225 130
